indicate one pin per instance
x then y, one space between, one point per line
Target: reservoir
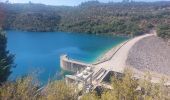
38 53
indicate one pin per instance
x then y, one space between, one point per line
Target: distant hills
130 18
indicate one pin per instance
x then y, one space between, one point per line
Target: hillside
90 17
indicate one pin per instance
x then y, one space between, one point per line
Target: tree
164 31
125 88
2 14
6 59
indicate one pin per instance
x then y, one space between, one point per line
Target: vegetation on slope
126 88
29 89
164 31
129 88
128 18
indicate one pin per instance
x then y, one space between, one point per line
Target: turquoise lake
39 52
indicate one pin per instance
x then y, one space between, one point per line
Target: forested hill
89 17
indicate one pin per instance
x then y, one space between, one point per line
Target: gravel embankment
150 53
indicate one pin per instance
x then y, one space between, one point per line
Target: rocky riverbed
150 53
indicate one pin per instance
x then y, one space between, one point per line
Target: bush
60 91
164 31
22 89
28 88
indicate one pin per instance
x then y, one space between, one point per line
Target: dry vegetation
126 88
29 89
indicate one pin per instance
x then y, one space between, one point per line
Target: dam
89 76
86 76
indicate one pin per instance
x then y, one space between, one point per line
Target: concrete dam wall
71 65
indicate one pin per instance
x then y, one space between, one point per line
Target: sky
67 2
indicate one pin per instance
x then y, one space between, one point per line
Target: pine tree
6 59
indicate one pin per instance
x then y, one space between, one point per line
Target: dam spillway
85 74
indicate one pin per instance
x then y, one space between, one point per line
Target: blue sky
66 2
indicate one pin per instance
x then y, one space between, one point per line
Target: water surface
39 52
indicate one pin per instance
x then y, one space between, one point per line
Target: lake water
39 52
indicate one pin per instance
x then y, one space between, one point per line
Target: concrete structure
83 79
89 76
72 65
